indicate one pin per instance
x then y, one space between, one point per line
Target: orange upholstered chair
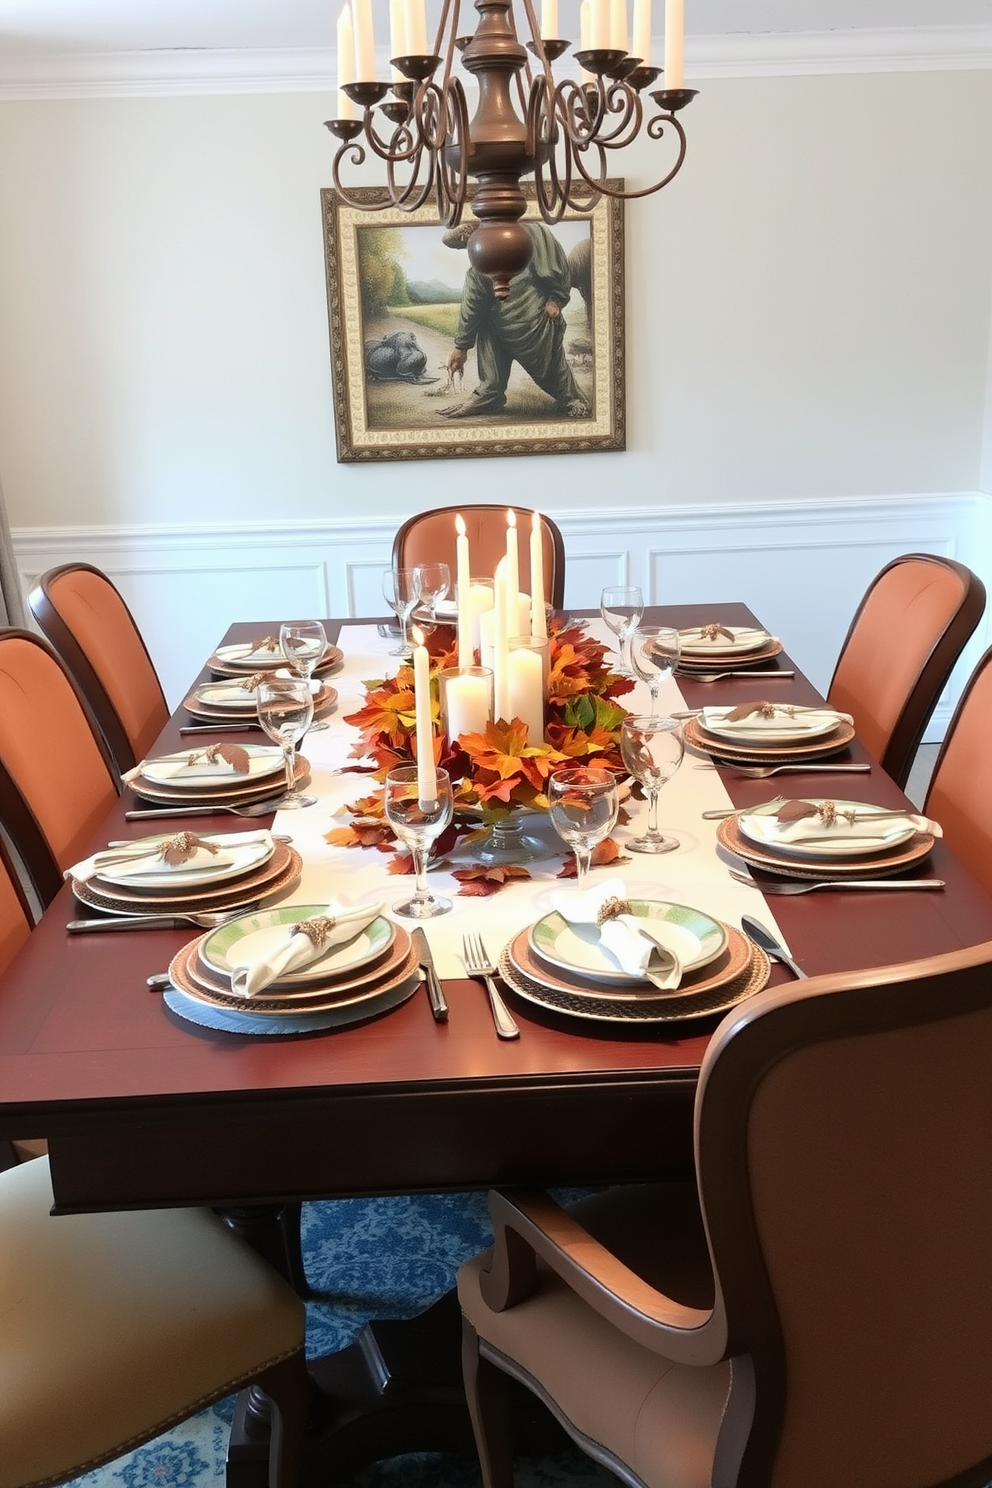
15 916
92 629
57 781
960 793
430 538
909 630
815 1309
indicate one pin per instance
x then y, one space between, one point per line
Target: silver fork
806 886
205 921
762 772
251 808
478 964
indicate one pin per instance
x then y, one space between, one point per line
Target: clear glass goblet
622 607
434 580
583 808
401 591
303 643
654 653
418 823
285 711
652 749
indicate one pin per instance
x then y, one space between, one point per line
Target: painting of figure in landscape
434 364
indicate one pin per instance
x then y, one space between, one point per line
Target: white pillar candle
618 26
674 44
463 588
487 635
501 700
467 701
538 616
426 772
512 569
549 20
416 27
642 31
397 35
585 26
522 626
525 688
600 24
480 604
364 42
346 62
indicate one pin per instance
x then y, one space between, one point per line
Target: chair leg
287 1387
487 1393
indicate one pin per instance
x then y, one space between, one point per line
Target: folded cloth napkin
641 948
217 761
704 637
832 822
772 718
301 944
184 853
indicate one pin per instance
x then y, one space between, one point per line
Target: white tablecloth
691 875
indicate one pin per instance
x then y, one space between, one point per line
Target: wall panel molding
802 566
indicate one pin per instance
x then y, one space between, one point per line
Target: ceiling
89 27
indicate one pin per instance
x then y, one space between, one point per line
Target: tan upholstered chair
430 538
86 620
57 781
815 1311
113 1327
960 792
909 630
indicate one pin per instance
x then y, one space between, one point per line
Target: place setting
722 648
297 641
183 874
764 732
297 968
822 839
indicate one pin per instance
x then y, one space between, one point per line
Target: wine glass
434 580
285 711
401 591
654 652
583 807
622 607
418 823
303 643
652 749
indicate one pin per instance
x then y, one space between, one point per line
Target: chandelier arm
410 195
601 184
452 163
544 137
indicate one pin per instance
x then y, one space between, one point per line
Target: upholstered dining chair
15 926
114 1327
57 780
429 537
85 619
815 1309
908 632
960 792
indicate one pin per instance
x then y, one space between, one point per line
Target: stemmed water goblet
622 607
401 591
434 581
652 749
654 653
418 823
285 711
303 643
583 808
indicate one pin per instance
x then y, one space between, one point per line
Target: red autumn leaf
604 853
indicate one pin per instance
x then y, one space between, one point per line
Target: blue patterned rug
365 1258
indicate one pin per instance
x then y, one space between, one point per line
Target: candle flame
511 517
418 635
460 525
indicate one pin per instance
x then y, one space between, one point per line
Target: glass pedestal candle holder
466 701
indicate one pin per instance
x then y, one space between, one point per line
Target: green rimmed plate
695 937
256 935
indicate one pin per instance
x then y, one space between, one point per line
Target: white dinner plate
256 936
745 638
244 655
843 840
694 937
239 853
783 727
174 769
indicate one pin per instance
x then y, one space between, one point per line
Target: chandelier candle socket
426 772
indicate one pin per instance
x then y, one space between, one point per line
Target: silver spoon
764 938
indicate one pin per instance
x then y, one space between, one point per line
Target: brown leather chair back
960 793
15 916
909 630
86 620
57 780
844 1144
430 538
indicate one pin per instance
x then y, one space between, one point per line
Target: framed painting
426 364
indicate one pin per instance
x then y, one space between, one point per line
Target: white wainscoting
801 566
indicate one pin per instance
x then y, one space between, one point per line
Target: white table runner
691 875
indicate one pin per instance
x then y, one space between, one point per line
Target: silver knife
435 992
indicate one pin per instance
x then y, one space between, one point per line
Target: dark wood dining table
141 1109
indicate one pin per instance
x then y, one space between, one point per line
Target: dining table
142 1108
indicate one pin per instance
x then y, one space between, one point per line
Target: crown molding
189 72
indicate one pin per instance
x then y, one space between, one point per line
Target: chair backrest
430 538
960 791
15 916
908 632
57 780
844 1146
84 617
